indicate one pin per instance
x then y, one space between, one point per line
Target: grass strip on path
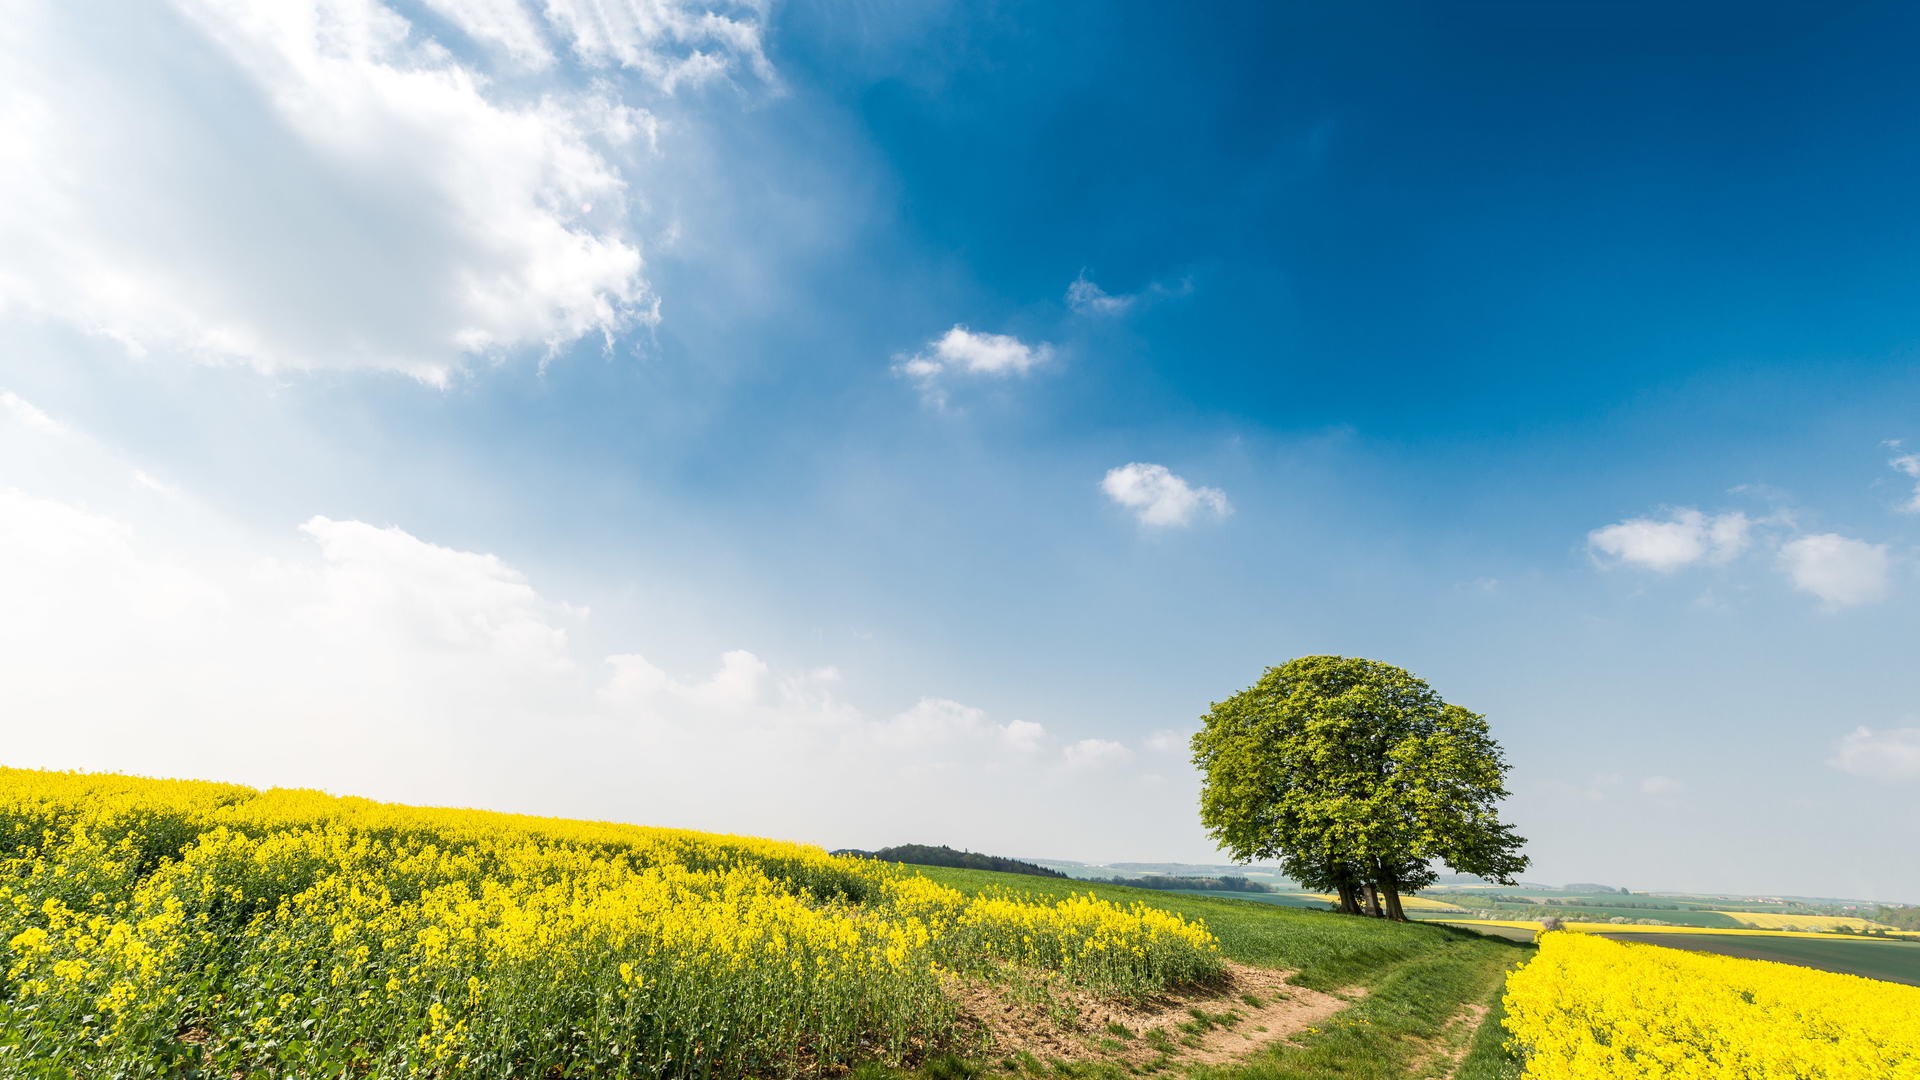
1415 1019
1408 1026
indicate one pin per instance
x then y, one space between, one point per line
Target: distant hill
942 855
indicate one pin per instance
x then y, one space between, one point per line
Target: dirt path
1253 1007
1453 1042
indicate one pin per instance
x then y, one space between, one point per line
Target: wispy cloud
26 413
1908 465
1661 787
1086 297
1892 754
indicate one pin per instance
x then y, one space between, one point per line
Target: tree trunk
1349 899
1390 885
1373 902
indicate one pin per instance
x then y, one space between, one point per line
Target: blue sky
870 425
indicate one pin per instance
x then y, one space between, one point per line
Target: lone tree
1358 778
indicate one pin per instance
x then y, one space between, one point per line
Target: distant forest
1905 918
942 855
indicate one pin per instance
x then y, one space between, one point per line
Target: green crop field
1891 961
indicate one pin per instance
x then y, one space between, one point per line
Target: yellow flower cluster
1586 1008
154 928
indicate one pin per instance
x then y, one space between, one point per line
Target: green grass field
1418 981
1891 961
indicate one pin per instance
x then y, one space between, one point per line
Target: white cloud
673 43
322 185
412 594
1684 539
1170 742
961 352
1088 298
1158 497
1909 466
1880 755
1661 787
1841 571
21 411
1096 754
934 723
740 683
507 25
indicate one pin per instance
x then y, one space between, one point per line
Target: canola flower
163 928
1585 1008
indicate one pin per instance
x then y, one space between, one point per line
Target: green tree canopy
1356 776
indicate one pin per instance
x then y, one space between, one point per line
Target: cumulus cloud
1160 498
1841 571
1088 298
1881 755
1688 537
326 184
962 353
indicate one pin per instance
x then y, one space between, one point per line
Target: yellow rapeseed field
1586 1008
1637 928
156 928
1770 921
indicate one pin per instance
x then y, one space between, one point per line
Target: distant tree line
1227 883
1906 917
942 855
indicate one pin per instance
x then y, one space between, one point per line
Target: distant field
1771 921
1584 913
1281 899
1891 961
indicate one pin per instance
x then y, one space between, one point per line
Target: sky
865 424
